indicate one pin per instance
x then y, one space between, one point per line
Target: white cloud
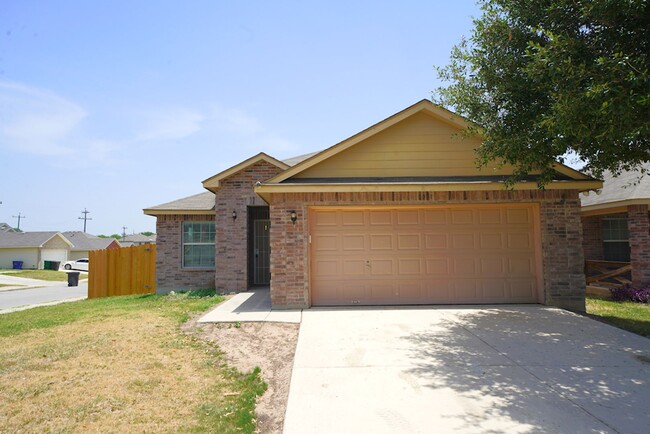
36 121
168 124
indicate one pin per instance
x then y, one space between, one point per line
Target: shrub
628 293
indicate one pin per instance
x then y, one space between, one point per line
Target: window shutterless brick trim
639 227
170 274
560 227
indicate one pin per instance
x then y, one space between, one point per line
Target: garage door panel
354 268
409 266
436 241
380 218
381 242
409 241
382 267
354 242
445 254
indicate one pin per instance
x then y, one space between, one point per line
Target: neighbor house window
198 244
616 239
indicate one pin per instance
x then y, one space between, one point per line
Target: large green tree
543 78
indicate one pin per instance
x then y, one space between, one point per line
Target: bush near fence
123 271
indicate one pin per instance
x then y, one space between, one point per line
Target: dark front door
259 246
261 252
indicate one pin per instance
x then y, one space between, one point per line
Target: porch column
639 228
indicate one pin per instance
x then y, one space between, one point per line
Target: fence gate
123 271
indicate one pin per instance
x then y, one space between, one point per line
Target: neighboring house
616 223
137 240
396 214
4 227
32 248
82 243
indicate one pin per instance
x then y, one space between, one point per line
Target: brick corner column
639 228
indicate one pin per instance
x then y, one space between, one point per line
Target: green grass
633 317
50 275
178 307
227 405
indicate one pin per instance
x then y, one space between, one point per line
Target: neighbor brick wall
639 227
170 274
560 226
592 238
236 193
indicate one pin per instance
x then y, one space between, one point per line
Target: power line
85 212
19 217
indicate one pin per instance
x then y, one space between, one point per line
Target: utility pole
124 228
19 217
85 212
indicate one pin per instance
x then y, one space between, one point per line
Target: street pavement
34 293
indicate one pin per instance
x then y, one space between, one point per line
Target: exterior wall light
234 215
293 216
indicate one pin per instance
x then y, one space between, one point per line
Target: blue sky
117 106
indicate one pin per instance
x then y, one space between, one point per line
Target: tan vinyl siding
420 145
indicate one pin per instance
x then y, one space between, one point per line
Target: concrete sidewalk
252 306
18 283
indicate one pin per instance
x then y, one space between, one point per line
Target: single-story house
83 242
32 248
4 227
396 214
616 224
137 240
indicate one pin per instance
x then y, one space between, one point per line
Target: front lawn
119 364
634 317
51 275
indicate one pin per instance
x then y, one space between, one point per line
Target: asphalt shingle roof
83 241
25 239
197 202
627 186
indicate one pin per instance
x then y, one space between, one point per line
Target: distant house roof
28 239
629 188
83 241
139 238
202 203
4 227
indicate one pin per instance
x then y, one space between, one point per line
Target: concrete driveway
515 369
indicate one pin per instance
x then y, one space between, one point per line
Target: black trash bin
55 265
73 278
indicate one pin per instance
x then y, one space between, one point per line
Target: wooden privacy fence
123 271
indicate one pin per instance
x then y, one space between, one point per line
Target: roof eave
266 190
157 212
212 183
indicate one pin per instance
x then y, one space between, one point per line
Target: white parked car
79 264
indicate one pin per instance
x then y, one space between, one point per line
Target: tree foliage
543 78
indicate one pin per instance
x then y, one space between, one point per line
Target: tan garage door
452 254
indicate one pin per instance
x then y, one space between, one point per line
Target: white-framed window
616 239
198 244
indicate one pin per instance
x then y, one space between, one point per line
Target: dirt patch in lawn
270 346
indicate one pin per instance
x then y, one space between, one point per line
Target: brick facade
592 238
639 227
560 227
236 193
170 274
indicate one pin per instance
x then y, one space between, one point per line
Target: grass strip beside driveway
633 317
50 275
119 364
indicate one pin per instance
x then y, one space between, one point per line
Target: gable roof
629 188
212 183
28 239
4 227
200 204
83 241
292 180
